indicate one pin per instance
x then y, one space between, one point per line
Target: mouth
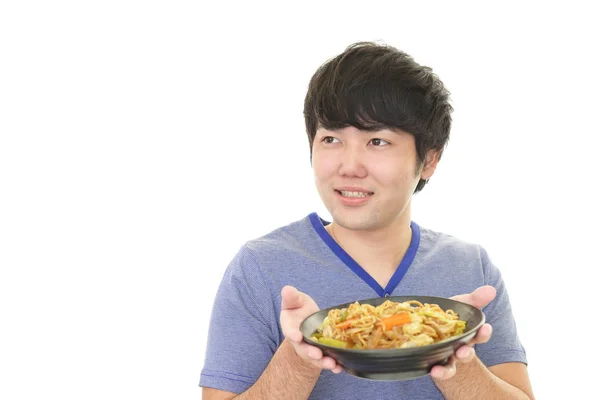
354 194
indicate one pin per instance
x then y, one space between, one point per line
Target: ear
431 161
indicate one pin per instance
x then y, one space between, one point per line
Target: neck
382 248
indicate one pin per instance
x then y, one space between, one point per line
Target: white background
142 143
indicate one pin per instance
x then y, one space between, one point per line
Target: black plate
397 364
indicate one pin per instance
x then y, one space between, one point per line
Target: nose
352 163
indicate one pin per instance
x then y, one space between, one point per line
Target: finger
325 363
312 352
438 372
308 352
444 371
483 335
480 297
328 363
465 354
316 357
290 327
291 298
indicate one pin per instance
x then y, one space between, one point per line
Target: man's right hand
295 308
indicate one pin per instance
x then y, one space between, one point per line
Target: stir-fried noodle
389 325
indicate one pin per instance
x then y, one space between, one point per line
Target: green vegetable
344 315
460 327
433 315
333 342
322 326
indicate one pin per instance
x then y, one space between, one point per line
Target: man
377 124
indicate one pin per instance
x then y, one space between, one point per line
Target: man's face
366 179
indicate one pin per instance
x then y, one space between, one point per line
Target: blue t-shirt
244 329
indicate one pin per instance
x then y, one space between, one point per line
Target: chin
355 219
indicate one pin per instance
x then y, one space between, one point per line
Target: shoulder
282 246
284 242
438 244
456 254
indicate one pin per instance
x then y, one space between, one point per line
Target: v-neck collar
318 225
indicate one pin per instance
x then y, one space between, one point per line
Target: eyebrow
370 131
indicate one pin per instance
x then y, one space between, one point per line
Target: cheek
396 175
323 167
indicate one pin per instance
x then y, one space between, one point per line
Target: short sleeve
243 335
504 345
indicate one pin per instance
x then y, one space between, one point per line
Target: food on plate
391 325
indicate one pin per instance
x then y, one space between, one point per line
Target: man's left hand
479 298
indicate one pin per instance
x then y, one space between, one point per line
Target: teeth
353 194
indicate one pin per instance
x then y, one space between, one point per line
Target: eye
379 142
330 139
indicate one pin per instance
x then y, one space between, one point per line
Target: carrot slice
345 324
396 320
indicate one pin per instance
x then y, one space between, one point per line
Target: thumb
480 297
291 298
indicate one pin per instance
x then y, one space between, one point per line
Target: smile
354 195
